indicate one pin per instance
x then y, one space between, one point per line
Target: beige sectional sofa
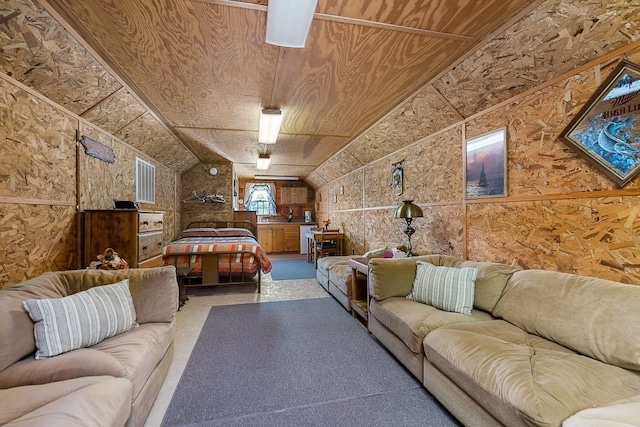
540 348
112 383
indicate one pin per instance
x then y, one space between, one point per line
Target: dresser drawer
149 221
149 245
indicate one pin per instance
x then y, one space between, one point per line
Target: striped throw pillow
82 319
446 288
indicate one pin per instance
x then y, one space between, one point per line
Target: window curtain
270 187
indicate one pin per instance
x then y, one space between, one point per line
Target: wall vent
145 181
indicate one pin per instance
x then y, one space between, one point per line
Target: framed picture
485 169
604 131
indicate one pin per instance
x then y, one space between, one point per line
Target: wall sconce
408 211
263 161
288 22
270 121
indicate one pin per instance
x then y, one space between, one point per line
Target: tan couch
109 384
540 348
333 273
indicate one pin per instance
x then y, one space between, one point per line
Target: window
145 182
261 200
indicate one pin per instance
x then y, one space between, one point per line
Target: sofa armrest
393 277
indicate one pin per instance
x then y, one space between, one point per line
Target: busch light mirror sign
606 131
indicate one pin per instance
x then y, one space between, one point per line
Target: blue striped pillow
446 288
82 319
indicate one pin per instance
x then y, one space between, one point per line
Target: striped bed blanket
234 263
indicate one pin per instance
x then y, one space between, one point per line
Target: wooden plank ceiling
203 69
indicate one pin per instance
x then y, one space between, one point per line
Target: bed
210 253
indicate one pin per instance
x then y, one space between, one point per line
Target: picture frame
604 131
485 165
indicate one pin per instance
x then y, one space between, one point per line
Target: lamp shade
270 121
408 210
263 162
288 22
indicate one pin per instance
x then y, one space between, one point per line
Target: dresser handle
159 243
145 247
159 222
145 222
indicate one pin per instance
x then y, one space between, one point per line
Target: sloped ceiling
185 80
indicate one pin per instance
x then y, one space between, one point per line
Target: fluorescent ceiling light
288 21
270 121
275 177
263 162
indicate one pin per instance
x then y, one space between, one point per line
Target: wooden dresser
134 235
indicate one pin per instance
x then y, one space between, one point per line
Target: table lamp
408 211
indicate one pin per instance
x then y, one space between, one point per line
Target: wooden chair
329 242
311 246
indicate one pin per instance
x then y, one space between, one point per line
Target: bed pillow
82 319
234 232
199 232
216 232
447 288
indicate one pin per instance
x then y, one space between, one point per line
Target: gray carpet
286 269
296 363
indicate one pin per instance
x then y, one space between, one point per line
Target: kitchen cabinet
293 195
279 238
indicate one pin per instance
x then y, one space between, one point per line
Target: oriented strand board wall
199 179
43 175
37 186
561 214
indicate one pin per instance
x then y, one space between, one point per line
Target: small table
360 289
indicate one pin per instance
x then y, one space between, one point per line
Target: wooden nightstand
360 289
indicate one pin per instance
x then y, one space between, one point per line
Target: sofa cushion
139 351
592 316
132 355
78 363
393 277
490 282
89 401
446 288
622 413
410 321
522 378
340 277
82 319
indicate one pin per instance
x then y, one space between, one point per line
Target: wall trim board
24 201
575 195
